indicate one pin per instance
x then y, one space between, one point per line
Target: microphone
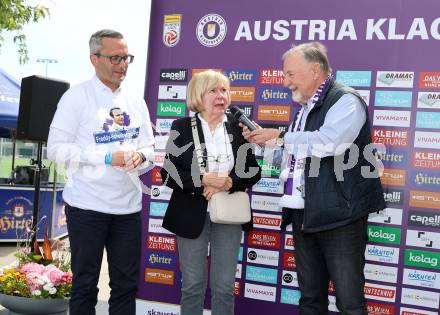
238 114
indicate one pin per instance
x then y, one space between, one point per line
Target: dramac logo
392 118
423 218
393 138
399 79
426 159
271 76
171 29
428 100
211 30
429 80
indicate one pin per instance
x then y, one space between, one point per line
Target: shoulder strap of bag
197 145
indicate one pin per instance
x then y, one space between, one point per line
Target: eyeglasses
115 59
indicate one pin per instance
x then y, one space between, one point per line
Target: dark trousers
89 232
337 255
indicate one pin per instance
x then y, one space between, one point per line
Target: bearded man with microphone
326 200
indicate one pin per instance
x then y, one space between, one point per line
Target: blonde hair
200 84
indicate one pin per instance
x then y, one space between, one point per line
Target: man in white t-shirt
103 192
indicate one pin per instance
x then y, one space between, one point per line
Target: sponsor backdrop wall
389 51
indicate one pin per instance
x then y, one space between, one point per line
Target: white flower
36 292
48 286
52 290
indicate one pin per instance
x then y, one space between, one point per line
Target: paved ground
7 256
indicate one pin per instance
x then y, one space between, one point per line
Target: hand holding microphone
252 132
238 114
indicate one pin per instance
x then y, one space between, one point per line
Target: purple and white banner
388 51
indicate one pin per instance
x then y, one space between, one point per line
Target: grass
6 167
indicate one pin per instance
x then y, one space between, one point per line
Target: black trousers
337 255
89 232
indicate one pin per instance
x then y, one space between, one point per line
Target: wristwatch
279 141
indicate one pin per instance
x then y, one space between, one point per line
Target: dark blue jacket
331 203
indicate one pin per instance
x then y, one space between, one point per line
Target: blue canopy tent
9 103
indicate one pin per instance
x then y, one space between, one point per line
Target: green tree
14 14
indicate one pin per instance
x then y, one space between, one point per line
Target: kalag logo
170 109
211 30
384 234
422 259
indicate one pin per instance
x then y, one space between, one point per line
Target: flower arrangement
37 273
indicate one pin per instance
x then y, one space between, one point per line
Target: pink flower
54 274
32 267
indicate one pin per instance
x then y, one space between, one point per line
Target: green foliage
14 14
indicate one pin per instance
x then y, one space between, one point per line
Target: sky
64 36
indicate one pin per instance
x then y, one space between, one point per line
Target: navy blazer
187 209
